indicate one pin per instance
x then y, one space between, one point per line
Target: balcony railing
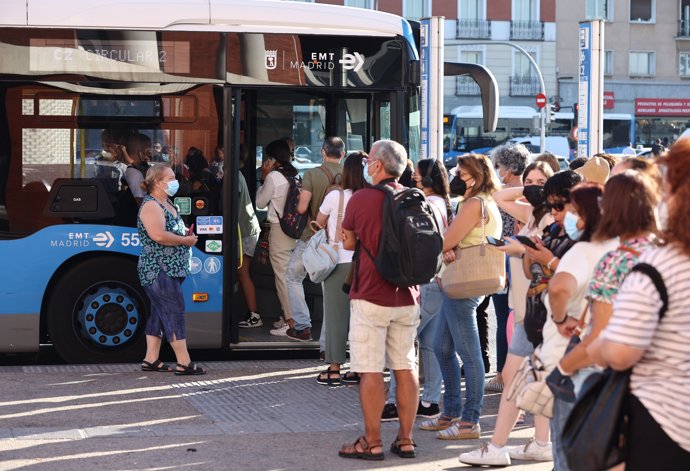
524 86
684 28
473 29
466 86
527 30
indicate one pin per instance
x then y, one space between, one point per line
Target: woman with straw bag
477 218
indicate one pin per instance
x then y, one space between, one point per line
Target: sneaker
303 335
390 413
531 451
488 454
459 431
280 323
280 331
431 411
253 320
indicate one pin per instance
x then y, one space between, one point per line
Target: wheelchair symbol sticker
212 265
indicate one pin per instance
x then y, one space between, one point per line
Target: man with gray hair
384 317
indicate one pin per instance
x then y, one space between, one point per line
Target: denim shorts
519 345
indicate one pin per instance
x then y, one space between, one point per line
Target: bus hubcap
109 316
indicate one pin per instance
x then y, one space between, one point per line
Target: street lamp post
542 133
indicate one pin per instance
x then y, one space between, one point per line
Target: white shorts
249 244
382 336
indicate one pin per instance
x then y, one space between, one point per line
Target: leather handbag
479 270
320 257
262 253
529 388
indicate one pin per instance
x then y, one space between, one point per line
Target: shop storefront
660 118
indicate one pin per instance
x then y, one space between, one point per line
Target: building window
608 62
524 81
684 64
642 11
471 9
599 10
525 10
416 9
641 64
368 4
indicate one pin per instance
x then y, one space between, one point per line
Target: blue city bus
78 78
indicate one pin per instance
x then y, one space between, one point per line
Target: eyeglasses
368 161
558 206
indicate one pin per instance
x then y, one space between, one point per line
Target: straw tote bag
479 270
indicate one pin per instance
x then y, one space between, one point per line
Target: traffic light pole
542 132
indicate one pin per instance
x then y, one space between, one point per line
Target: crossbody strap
659 284
339 224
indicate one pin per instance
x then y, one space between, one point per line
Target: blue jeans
430 305
502 311
294 279
457 333
561 411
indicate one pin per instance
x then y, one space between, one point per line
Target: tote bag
479 270
320 257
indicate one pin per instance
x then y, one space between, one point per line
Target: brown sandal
349 450
396 447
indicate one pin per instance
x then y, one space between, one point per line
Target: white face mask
107 155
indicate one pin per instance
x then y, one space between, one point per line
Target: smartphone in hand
190 231
524 240
495 242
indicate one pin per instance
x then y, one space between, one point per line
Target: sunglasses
558 206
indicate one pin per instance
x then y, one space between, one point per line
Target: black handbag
593 438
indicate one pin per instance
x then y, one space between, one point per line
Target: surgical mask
502 178
107 155
368 178
172 187
458 186
570 225
534 194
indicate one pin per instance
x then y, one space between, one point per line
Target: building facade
646 63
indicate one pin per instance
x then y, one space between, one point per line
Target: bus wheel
97 312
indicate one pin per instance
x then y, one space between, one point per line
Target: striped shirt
661 379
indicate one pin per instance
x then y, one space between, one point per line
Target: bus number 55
130 239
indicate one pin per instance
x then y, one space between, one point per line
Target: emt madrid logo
317 61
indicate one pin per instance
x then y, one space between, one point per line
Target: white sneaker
280 332
531 451
279 324
253 320
488 454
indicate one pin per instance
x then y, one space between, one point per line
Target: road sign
541 100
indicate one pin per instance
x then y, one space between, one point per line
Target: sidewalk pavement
242 415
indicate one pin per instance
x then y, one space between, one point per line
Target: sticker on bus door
209 225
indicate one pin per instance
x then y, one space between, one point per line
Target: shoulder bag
479 270
320 257
594 434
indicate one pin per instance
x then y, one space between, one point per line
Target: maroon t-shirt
363 216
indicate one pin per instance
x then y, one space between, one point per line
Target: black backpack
411 243
291 222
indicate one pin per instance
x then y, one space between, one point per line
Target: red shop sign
608 100
662 106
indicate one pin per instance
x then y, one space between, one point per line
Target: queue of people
572 240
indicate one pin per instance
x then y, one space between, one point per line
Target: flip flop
155 366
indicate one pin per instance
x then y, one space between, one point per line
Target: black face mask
458 186
534 195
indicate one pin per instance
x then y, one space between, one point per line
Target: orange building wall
499 10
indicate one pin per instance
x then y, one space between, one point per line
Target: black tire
97 311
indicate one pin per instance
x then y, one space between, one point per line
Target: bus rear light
199 297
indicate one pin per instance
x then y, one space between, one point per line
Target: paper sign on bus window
209 224
184 205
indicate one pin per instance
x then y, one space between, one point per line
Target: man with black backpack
316 183
379 223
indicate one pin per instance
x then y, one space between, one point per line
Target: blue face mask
172 187
570 225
